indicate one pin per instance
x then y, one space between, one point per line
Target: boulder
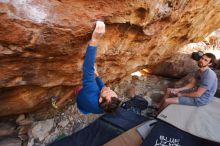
43 43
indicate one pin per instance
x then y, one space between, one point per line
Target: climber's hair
110 106
212 57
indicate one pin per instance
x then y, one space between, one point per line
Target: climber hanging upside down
94 97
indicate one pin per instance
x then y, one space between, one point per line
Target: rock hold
64 123
42 129
25 122
20 118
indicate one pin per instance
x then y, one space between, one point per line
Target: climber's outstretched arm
89 61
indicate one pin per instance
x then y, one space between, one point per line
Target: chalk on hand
100 27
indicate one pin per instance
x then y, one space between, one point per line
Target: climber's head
108 100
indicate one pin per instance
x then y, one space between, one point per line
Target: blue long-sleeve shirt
88 97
